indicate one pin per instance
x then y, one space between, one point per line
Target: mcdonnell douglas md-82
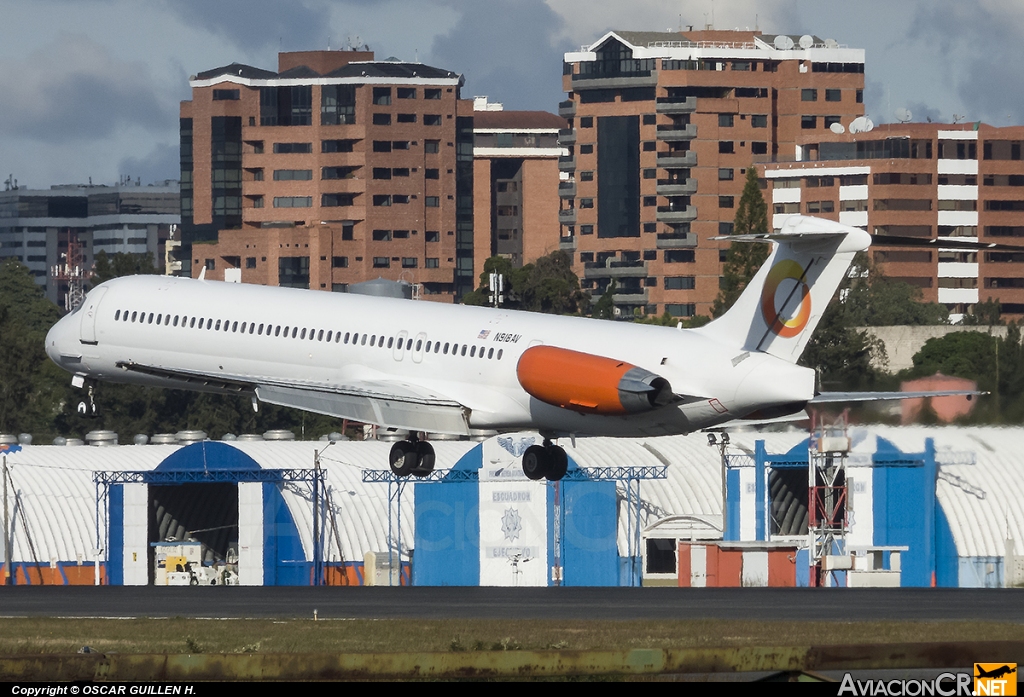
433 368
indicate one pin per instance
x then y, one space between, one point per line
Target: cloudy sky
90 88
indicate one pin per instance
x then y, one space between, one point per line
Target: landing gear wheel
558 463
424 459
403 458
536 462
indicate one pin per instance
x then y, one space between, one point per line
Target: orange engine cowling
590 384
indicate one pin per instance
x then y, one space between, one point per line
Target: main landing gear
548 460
413 456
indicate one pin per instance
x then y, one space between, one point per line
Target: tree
743 258
121 264
984 314
548 285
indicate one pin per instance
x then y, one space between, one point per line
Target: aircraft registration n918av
434 368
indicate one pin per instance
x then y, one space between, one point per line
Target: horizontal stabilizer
839 397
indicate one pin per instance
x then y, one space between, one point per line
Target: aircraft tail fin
780 307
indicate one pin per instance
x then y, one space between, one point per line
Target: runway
768 604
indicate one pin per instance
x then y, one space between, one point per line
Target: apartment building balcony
566 189
567 109
686 158
567 243
615 268
668 214
676 240
567 216
647 78
630 296
566 136
676 105
684 187
567 163
672 133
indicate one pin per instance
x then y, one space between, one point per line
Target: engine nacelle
590 384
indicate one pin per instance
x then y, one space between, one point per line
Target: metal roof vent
163 439
191 436
249 438
279 434
140 439
101 437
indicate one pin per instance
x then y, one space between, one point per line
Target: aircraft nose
61 346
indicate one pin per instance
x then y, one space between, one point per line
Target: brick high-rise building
926 181
366 164
663 127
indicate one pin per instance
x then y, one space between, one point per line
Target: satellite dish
861 124
831 43
903 115
806 41
783 42
837 128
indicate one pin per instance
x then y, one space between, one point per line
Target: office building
516 180
926 181
335 169
662 129
36 226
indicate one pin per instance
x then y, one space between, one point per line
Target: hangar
633 511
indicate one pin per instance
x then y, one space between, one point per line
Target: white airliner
434 368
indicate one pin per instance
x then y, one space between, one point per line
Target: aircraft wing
384 402
834 397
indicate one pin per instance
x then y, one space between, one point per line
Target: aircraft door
401 342
417 347
89 310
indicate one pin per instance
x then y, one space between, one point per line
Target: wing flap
403 408
382 402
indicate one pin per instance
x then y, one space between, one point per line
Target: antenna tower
71 271
827 523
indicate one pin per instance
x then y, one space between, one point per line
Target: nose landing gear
87 407
545 461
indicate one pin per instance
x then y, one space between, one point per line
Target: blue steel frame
630 476
314 475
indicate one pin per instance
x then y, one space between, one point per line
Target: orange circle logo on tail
786 328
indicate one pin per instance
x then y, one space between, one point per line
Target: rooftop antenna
837 128
957 118
806 41
903 115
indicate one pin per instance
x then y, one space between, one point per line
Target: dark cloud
508 50
254 24
982 51
160 163
75 89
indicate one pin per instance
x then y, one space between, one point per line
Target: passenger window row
354 339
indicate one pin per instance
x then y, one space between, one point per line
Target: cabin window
234 326
337 338
329 335
150 318
117 315
500 351
295 332
363 342
419 344
427 348
209 323
277 330
242 328
303 335
373 340
176 320
463 350
391 341
490 354
217 327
